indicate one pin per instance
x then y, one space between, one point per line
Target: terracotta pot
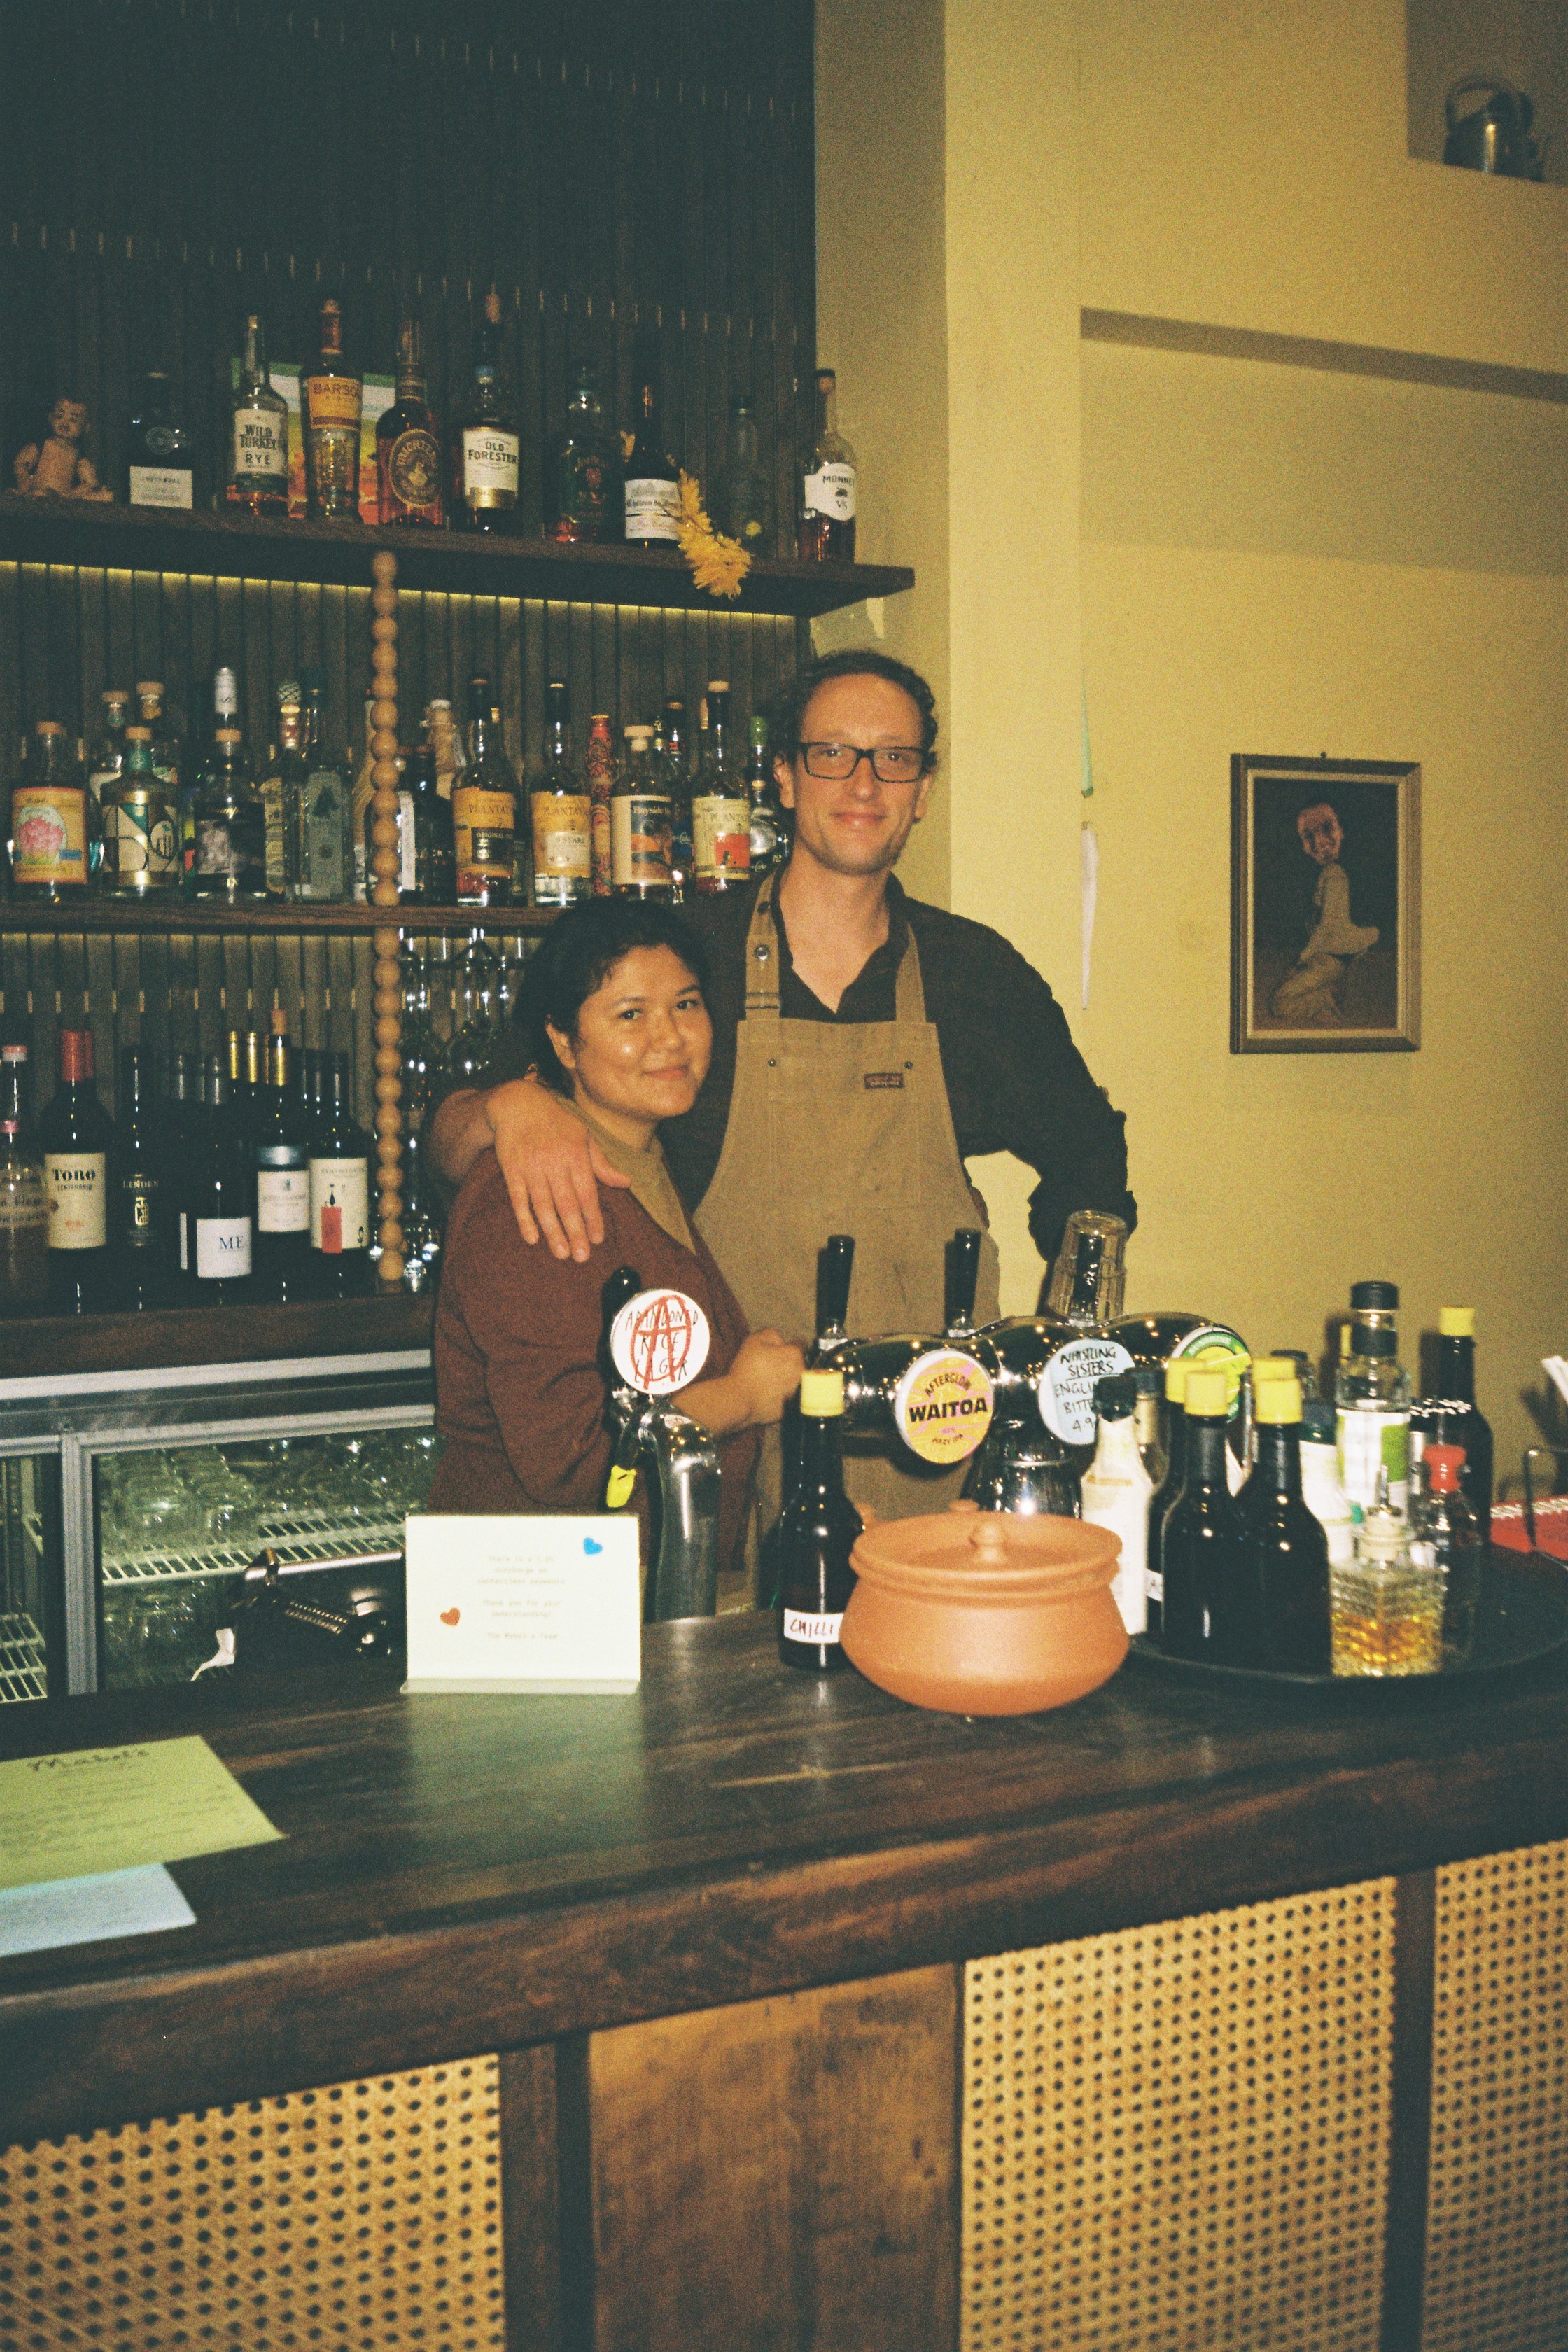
983 1613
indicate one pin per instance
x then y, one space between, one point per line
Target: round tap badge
1066 1390
658 1341
941 1406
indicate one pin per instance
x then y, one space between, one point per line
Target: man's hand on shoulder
552 1165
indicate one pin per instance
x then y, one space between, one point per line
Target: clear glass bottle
282 791
140 818
106 761
326 842
24 1204
671 751
51 836
816 1532
1147 1420
743 502
408 463
166 753
426 860
651 492
1372 1394
1086 1285
1321 1488
1116 1491
259 432
485 445
599 768
1387 1608
562 811
767 820
447 742
1209 1606
1287 1550
162 471
331 398
230 827
721 806
825 532
640 823
1445 1536
484 811
587 475
475 1002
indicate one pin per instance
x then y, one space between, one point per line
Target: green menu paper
96 1809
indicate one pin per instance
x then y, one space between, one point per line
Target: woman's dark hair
577 955
856 662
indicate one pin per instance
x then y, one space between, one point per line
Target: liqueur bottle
484 811
652 482
640 823
562 811
162 469
1287 1550
426 860
360 818
140 1216
1116 1491
1445 1536
409 466
585 502
721 808
230 827
282 1262
226 714
1209 1608
816 1533
742 504
1372 1393
599 768
485 447
765 825
221 1214
50 831
340 1193
326 848
140 827
331 396
259 432
76 1135
24 1204
1451 1415
1167 1491
827 527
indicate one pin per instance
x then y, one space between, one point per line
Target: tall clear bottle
229 826
764 819
828 485
816 1533
721 807
24 1204
585 503
259 432
484 811
1371 1394
562 811
1086 1285
742 499
282 791
1210 1609
326 841
673 750
106 763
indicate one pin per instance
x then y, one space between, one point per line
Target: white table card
523 1604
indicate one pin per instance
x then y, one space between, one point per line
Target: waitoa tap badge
659 1341
941 1406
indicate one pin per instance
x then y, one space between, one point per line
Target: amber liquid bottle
332 395
408 442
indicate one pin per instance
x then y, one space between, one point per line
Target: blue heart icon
590 1546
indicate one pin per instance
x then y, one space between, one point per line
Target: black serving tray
1522 1617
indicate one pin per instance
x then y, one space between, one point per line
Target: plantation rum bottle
826 528
259 432
721 807
562 811
485 446
640 823
331 396
408 442
599 768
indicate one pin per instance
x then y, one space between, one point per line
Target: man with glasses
865 1045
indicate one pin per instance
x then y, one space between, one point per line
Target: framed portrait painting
1325 905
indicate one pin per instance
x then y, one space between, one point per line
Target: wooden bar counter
708 1942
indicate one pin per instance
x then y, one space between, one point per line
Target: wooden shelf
236 546
289 917
251 1333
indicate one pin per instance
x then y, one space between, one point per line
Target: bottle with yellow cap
1209 1604
816 1532
1287 1550
1450 1417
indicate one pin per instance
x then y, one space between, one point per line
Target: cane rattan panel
1497 2242
367 2215
1177 2136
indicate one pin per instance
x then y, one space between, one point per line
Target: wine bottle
24 1207
1166 1492
141 1214
1287 1549
652 481
222 1220
816 1533
720 810
77 1133
1208 1609
184 1117
339 1193
282 1162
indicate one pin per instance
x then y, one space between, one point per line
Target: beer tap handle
835 1266
963 1276
627 1408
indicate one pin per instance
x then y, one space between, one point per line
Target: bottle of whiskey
426 865
721 809
24 1207
326 850
282 791
586 471
485 446
827 533
162 471
76 1135
408 442
767 826
141 820
50 831
639 824
484 811
259 434
652 500
331 396
562 811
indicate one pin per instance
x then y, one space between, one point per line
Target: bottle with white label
641 824
162 471
652 481
259 437
825 532
340 1193
282 1163
221 1226
721 808
1372 1393
76 1135
816 1533
485 444
561 810
1117 1490
1321 1488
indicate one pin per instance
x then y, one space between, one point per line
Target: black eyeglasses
890 763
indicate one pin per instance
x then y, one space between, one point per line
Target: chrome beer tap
655 1343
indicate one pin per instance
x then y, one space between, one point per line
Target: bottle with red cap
76 1135
1445 1535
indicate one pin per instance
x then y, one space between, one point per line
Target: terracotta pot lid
987 1555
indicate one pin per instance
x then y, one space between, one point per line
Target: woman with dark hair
616 1019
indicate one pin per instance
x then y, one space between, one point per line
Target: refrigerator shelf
23 1674
298 1539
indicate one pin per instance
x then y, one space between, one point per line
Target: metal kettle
1495 135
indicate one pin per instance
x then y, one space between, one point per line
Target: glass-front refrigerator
32 1650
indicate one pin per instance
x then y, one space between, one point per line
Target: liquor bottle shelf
105 536
291 917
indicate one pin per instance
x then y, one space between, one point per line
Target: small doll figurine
61 469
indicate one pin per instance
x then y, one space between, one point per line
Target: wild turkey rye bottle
816 1533
259 442
77 1134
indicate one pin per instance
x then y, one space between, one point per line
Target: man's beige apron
841 1128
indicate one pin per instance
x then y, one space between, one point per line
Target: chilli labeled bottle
1287 1547
283 1162
817 1534
24 1208
340 1193
1451 1415
77 1134
1208 1609
141 1219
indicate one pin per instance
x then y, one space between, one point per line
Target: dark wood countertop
464 1873
55 1344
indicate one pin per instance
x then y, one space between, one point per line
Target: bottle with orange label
50 825
721 805
484 811
332 395
561 810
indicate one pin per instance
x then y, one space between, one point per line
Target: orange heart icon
450 1616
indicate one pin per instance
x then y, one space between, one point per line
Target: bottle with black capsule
1208 1609
78 1134
339 1191
222 1218
282 1163
184 1123
1287 1547
1167 1490
817 1534
140 1206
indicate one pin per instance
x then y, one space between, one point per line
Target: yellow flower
718 564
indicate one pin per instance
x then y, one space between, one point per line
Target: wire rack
22 1670
298 1538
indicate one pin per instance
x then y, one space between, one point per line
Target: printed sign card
94 1810
523 1604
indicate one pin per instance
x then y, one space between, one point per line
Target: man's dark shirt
1015 1081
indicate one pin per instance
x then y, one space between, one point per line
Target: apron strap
763 955
911 1003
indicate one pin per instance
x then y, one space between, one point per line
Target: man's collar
893 945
